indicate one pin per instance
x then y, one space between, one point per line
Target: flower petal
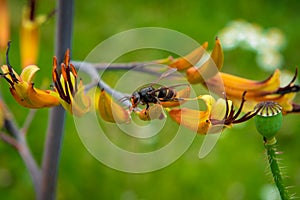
189 60
210 68
6 71
28 72
154 112
111 111
30 97
195 120
257 91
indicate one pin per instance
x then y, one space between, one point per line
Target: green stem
277 176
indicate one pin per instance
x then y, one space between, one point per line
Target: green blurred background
236 169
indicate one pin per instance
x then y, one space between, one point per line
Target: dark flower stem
277 176
57 114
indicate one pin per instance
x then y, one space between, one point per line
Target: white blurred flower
266 43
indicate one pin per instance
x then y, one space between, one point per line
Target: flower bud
268 120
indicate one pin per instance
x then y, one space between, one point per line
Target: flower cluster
238 92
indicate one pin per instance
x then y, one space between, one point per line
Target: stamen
241 106
291 87
11 72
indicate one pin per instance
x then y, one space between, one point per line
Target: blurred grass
236 169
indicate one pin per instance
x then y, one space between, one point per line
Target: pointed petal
189 60
28 72
210 68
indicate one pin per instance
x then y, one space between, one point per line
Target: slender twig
28 120
136 66
57 114
9 140
19 142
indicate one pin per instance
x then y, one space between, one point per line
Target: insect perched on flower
167 96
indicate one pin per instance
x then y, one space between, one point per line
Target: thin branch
28 121
57 114
136 66
23 149
9 140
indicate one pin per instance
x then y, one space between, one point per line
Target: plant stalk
63 38
275 169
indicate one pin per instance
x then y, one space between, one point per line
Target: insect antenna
164 75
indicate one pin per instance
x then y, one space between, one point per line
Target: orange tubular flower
257 91
21 87
71 95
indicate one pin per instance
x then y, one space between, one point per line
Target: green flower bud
268 120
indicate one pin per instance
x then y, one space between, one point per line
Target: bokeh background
236 169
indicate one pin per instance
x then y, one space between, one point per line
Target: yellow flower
21 87
71 95
30 36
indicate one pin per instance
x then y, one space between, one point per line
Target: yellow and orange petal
210 68
189 60
257 91
110 111
195 120
23 91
